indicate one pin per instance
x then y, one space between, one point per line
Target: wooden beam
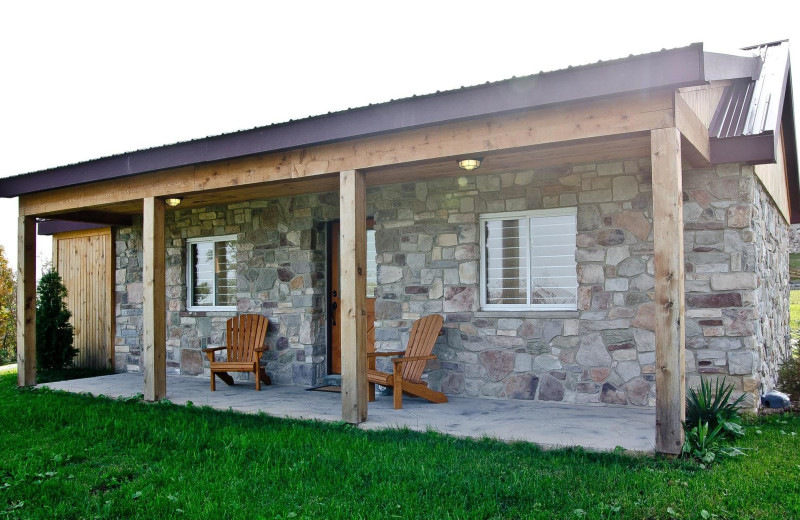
26 301
620 115
669 289
695 133
98 217
353 290
154 297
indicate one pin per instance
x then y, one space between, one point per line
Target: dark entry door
334 314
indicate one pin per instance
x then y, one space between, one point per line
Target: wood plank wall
84 261
775 180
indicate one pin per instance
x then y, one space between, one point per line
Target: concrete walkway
546 424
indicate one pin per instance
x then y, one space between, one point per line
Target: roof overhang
669 68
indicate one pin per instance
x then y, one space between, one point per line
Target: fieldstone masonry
427 243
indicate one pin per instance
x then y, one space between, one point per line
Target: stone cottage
624 233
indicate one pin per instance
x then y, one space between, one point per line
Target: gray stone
625 187
551 389
724 343
487 183
616 284
615 255
460 299
552 328
589 255
631 266
645 340
733 281
389 274
610 237
509 323
588 218
610 395
521 386
522 363
531 329
590 274
741 362
498 363
546 363
452 384
637 391
191 362
627 370
468 273
593 352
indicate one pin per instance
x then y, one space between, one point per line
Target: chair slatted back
244 334
420 343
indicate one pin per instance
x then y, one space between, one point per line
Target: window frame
527 214
190 273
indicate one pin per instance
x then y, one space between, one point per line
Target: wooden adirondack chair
245 344
407 369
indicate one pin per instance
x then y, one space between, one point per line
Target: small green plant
713 406
789 375
54 334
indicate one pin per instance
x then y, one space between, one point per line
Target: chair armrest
260 349
385 354
408 359
212 349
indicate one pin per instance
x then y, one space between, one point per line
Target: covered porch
549 425
511 127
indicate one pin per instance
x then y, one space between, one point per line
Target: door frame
332 225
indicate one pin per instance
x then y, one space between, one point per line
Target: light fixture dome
470 164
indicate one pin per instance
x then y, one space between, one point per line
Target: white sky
81 80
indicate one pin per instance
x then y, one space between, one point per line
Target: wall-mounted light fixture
470 164
173 201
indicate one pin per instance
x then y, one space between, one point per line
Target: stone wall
772 337
427 243
281 273
428 261
604 352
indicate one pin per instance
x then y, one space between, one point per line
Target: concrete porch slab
546 424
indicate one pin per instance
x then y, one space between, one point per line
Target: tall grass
74 456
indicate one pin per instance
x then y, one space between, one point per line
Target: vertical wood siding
83 259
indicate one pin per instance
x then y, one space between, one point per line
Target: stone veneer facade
427 245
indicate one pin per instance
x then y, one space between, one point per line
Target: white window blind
528 260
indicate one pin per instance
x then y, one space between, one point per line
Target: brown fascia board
750 149
763 145
727 66
790 153
664 69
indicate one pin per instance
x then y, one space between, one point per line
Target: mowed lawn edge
76 456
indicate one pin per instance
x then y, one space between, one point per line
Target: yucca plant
704 444
712 406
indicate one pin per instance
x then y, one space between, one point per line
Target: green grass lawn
794 313
794 266
74 456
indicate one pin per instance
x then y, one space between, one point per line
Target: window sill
208 312
554 314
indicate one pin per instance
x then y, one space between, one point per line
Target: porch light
470 164
173 201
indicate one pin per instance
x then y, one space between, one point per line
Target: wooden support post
26 301
154 296
669 313
353 289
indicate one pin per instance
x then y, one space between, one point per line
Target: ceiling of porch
547 156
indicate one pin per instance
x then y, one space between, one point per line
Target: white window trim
190 270
483 218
